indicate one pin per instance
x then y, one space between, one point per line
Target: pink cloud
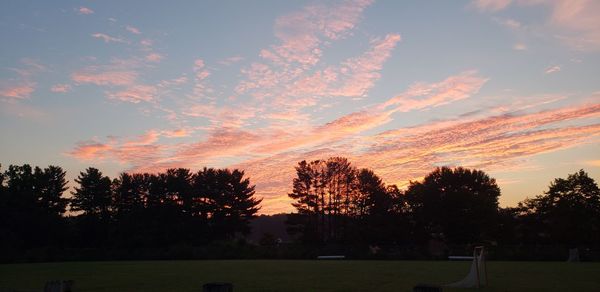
146 43
132 29
293 88
28 69
363 71
135 94
231 60
491 143
105 78
579 23
150 137
301 32
452 89
114 74
221 143
491 5
141 150
61 88
552 69
22 85
85 10
90 150
107 39
400 155
574 22
154 57
18 91
520 47
201 73
178 133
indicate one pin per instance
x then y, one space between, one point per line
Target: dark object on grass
59 286
573 255
217 287
427 288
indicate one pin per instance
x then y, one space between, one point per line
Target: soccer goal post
477 276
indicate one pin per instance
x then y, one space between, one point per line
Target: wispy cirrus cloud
154 57
17 91
227 139
301 33
552 69
491 5
90 150
61 88
99 76
520 47
272 117
451 89
573 22
85 10
107 38
231 60
138 150
132 29
489 143
135 94
22 85
201 73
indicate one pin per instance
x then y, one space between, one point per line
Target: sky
511 87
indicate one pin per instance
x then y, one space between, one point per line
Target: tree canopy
460 203
568 212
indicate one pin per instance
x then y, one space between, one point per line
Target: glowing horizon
508 87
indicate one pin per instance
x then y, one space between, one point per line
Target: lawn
297 275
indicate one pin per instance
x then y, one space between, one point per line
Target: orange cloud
402 155
90 150
595 163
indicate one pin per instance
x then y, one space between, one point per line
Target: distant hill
273 224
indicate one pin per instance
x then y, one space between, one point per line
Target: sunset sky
511 87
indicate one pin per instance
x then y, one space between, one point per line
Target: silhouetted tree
460 203
375 205
336 202
93 198
51 184
307 201
129 220
568 212
32 205
129 192
20 214
229 198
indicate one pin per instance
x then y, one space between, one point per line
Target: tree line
338 203
131 211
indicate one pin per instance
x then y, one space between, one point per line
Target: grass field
285 275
